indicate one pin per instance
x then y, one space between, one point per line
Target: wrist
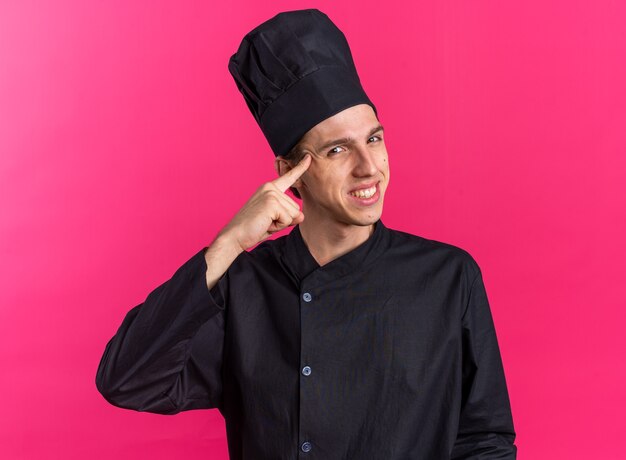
229 243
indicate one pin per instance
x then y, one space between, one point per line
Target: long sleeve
486 424
166 356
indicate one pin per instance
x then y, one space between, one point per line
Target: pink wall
125 147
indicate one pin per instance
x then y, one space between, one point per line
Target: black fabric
397 333
294 71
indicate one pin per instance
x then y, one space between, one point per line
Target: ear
281 166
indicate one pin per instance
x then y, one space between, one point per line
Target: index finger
286 180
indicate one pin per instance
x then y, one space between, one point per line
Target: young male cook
344 339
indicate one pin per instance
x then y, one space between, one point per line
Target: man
343 339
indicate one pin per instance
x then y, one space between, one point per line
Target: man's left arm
486 424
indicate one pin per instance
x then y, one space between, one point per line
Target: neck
328 241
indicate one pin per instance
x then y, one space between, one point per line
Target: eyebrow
348 140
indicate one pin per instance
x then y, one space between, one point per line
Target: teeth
367 193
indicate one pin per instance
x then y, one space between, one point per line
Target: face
349 172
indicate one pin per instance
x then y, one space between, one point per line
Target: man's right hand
268 211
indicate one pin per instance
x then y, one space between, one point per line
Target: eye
332 151
379 138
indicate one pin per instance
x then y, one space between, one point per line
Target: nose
364 161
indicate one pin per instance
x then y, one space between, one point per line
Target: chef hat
294 71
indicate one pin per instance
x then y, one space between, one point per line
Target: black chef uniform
386 353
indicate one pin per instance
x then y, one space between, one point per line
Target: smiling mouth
364 193
367 196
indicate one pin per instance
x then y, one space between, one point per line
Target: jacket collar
302 266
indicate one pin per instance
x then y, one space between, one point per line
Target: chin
364 221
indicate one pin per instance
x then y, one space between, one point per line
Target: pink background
125 147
